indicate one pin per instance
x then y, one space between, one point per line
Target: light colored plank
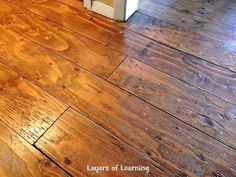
171 143
19 159
87 53
26 108
78 144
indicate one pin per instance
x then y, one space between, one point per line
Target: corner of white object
131 7
119 10
88 4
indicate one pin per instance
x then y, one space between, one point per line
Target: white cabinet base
119 10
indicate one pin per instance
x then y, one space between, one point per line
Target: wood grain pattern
199 45
78 4
127 42
76 143
89 54
24 107
101 30
202 110
19 159
221 12
171 143
197 72
188 21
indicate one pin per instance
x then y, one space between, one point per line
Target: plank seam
127 92
195 57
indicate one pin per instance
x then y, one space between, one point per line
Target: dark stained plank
221 12
200 73
171 143
24 107
190 22
75 143
87 53
19 159
189 104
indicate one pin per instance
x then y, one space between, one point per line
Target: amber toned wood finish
101 31
89 54
169 105
74 3
19 159
24 107
91 146
202 73
151 131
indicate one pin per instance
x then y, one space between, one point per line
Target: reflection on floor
83 95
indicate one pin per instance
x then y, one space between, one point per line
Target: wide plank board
189 104
19 159
130 43
78 145
24 107
87 53
199 45
168 141
221 12
195 71
188 21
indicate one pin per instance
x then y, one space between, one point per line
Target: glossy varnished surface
204 111
89 54
151 131
24 107
91 146
158 90
19 159
201 70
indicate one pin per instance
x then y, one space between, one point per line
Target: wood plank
75 143
190 22
197 72
171 143
199 45
18 158
87 53
127 42
79 4
219 48
210 48
101 31
26 108
221 12
189 104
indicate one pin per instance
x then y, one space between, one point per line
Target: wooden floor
79 90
